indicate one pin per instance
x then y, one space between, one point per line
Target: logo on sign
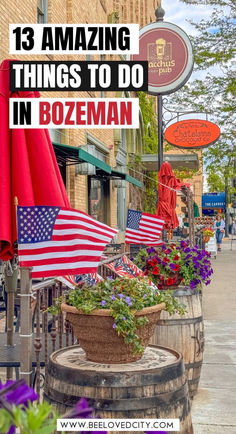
160 56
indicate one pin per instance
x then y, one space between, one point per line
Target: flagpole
11 275
26 336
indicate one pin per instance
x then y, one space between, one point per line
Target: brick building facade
105 198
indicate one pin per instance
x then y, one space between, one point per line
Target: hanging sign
169 53
213 200
192 134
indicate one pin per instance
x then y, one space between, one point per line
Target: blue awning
213 200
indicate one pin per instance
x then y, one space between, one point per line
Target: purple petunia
113 297
82 411
114 326
188 257
123 318
187 250
103 302
172 266
121 295
151 250
20 395
144 295
156 432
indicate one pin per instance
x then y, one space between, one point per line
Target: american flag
60 241
143 228
72 281
124 267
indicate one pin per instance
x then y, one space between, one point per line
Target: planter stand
153 387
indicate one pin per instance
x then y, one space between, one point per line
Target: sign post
169 53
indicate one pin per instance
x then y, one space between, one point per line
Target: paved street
214 407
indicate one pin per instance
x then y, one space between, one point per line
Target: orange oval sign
192 134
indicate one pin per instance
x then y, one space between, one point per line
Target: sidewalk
214 407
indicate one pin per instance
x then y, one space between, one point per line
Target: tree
214 53
215 183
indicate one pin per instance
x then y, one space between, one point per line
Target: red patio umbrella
28 168
166 197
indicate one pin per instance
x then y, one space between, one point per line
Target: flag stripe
77 225
75 253
152 233
141 239
62 232
54 261
152 218
140 235
151 225
59 272
86 218
72 241
67 237
63 248
68 266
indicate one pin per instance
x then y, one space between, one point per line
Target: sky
178 13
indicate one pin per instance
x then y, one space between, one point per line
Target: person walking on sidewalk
233 231
219 227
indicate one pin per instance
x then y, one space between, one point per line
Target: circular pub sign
169 53
192 134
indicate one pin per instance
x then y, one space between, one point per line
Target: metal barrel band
194 380
199 319
193 365
130 404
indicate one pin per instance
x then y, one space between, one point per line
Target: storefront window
55 136
98 190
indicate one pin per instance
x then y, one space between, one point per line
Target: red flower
170 281
175 268
161 277
159 286
176 257
145 272
165 259
153 262
155 271
173 246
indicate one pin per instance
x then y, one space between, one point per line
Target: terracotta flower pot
100 340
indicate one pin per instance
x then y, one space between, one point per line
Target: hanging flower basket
169 265
173 281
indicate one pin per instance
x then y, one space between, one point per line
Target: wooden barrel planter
153 387
184 334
